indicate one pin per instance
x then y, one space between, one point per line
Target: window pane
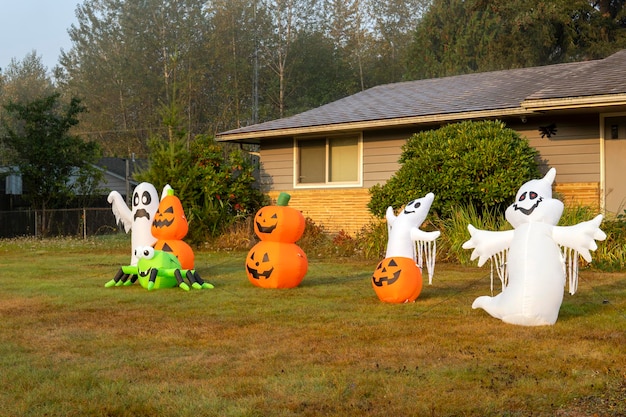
312 161
344 159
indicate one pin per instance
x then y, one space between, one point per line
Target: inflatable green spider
157 269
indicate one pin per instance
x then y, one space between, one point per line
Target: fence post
84 223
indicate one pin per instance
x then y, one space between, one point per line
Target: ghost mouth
528 211
412 211
142 213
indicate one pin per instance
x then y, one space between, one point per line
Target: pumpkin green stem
283 199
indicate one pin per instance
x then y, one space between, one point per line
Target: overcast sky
40 25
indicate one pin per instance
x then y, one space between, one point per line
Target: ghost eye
136 199
146 198
522 197
532 195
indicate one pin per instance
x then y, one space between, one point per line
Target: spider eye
148 252
144 252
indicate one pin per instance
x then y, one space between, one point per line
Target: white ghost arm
417 234
486 243
581 237
120 210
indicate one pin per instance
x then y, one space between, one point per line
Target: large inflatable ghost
137 219
535 252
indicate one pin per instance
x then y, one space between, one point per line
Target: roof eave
570 103
255 136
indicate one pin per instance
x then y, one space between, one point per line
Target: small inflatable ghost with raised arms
535 252
398 277
137 219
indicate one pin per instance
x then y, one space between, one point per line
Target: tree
56 166
457 36
478 164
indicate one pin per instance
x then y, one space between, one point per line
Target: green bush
479 164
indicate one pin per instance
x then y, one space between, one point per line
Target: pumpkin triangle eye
266 258
392 263
170 209
274 216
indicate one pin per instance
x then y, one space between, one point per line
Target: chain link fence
62 222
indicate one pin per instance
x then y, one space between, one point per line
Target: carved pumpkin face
276 265
279 223
170 221
397 280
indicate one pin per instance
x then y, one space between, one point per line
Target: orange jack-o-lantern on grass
276 261
397 280
276 265
279 223
170 221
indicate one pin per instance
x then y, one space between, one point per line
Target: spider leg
153 275
196 281
181 282
119 276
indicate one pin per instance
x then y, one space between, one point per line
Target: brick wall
579 193
335 209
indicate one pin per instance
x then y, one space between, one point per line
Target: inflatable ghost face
533 292
137 219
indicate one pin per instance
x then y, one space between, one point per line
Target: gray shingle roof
479 92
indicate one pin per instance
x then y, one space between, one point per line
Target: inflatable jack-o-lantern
170 227
397 280
276 265
276 261
170 221
279 223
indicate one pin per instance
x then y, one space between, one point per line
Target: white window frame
326 183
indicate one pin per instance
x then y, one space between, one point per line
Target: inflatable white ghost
534 279
139 219
404 233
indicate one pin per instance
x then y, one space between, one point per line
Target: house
574 114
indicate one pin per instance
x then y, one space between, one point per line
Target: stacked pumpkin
277 261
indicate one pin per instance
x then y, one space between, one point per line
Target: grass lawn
70 347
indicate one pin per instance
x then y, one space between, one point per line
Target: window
334 160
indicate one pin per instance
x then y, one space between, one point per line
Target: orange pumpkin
397 280
180 249
279 223
276 265
170 222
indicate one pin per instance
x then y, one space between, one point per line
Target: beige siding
277 165
380 158
574 150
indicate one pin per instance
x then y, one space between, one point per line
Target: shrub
479 164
